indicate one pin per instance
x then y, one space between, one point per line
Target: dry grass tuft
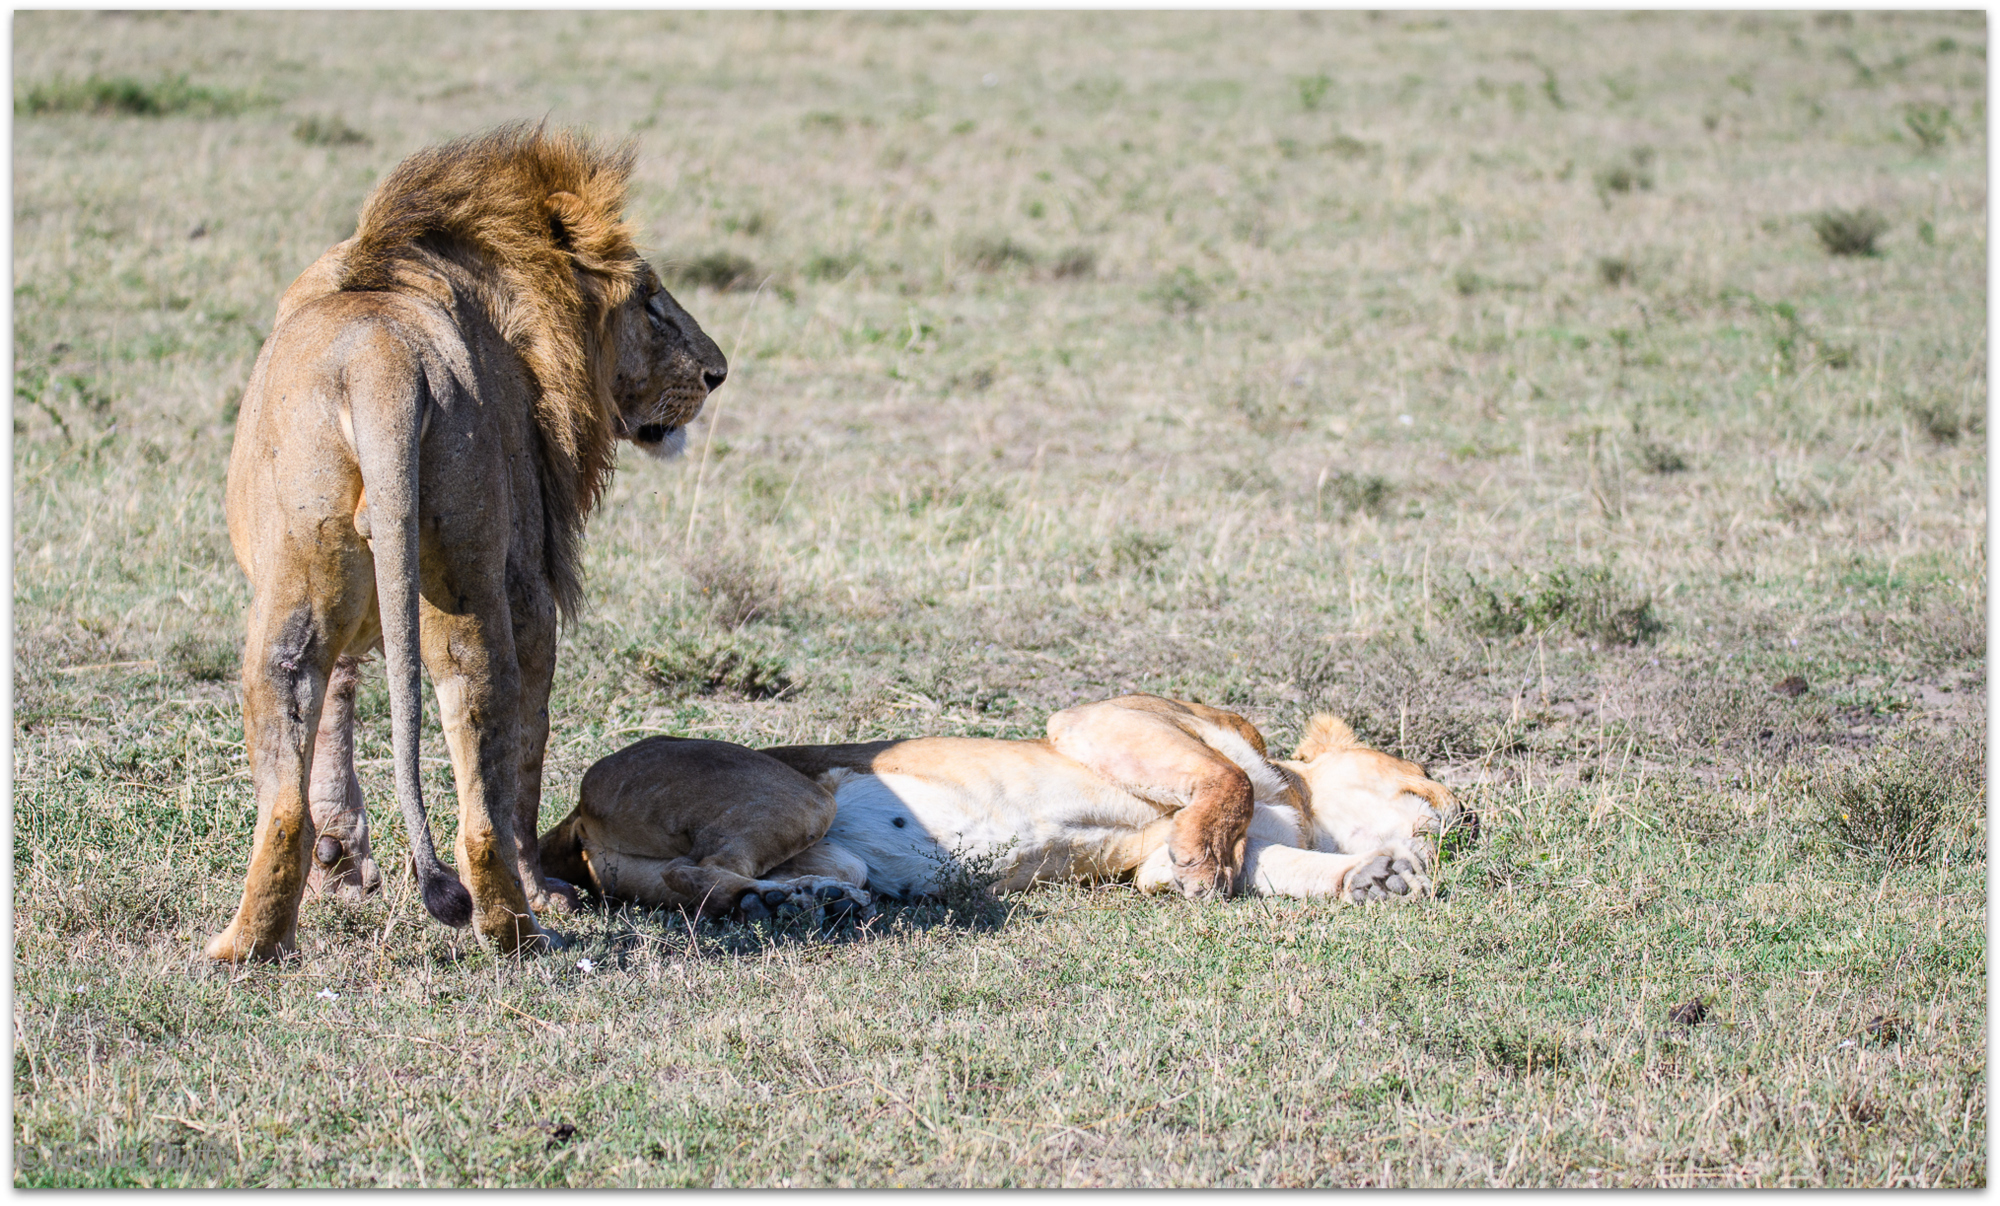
1906 805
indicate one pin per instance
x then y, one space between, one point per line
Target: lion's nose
713 378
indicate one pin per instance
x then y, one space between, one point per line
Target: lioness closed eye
1162 793
430 423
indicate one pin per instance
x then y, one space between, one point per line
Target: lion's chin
660 441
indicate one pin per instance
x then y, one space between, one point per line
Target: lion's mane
538 218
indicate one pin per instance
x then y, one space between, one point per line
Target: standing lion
428 427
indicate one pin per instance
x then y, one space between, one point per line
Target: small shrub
1517 1051
1312 90
1615 271
964 883
1849 231
327 132
1795 342
687 665
1349 147
1182 292
1359 491
1938 418
1136 552
123 96
1661 458
1075 262
820 120
1930 124
1467 282
1904 806
1587 602
721 270
1552 89
993 254
824 267
203 660
1623 178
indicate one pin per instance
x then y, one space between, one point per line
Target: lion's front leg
471 660
534 618
342 862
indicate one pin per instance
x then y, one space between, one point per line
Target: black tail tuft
446 898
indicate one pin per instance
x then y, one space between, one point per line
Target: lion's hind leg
342 863
287 662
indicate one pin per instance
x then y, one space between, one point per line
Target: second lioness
1155 791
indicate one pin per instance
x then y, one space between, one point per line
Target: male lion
430 423
1155 791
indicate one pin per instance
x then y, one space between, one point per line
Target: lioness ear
1325 734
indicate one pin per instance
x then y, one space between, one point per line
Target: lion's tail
387 429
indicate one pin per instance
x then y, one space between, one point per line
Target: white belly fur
1019 828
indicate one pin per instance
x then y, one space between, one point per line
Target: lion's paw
339 871
1389 873
814 899
557 896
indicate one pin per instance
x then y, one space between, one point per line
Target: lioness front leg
1143 745
341 860
1270 869
1274 870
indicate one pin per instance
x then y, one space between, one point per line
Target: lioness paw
1388 874
813 899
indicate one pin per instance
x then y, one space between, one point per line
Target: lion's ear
565 210
591 235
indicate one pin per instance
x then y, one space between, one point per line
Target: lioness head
667 366
1362 798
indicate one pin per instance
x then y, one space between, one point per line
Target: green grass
1482 378
128 97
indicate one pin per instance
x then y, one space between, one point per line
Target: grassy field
1590 405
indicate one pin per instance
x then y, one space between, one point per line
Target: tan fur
423 436
1127 789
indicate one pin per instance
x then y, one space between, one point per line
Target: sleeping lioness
1154 791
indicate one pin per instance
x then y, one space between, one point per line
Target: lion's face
666 367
